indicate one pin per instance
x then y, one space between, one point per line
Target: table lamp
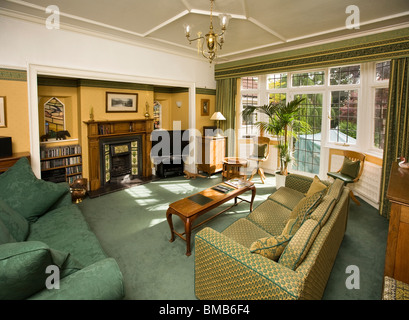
217 116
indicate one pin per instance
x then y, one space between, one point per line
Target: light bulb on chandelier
213 40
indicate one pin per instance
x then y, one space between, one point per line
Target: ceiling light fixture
213 40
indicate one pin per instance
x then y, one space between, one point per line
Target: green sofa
284 249
47 250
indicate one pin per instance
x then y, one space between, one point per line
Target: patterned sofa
284 249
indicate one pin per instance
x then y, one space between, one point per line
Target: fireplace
121 159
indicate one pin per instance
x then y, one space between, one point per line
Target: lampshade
217 116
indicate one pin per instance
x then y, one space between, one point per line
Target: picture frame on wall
205 106
3 112
121 102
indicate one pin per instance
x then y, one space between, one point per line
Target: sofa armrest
100 281
298 182
225 269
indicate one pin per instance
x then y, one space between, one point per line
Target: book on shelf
61 151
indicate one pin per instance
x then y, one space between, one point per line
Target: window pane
249 83
249 129
308 79
381 109
276 97
345 75
277 81
308 144
344 107
383 71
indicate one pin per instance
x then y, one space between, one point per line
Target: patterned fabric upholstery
299 245
270 216
270 247
225 267
324 209
298 182
226 270
245 232
287 197
336 188
303 209
395 290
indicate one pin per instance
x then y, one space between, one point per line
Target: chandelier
213 40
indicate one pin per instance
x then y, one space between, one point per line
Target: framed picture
205 107
122 102
3 112
209 131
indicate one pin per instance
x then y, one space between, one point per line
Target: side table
233 168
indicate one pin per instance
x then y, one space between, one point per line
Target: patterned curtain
397 125
226 104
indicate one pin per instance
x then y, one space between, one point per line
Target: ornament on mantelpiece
91 114
147 115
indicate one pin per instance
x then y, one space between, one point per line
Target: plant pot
280 180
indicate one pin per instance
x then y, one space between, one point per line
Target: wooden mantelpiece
97 130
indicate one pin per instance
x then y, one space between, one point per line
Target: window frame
365 113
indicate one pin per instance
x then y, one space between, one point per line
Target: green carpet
132 228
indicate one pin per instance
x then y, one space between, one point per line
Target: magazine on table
237 183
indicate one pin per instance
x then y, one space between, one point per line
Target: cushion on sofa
25 193
23 268
287 197
303 209
335 189
270 247
5 236
300 243
316 186
323 211
16 224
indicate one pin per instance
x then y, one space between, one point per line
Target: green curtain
397 125
226 90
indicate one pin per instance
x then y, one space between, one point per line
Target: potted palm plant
283 122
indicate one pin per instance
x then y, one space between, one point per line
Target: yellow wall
204 120
171 112
17 120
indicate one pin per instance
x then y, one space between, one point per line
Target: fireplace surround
117 132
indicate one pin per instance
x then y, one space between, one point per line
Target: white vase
280 180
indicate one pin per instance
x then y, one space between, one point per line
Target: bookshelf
61 164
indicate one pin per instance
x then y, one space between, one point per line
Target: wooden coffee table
192 207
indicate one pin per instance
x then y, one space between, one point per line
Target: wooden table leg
188 231
253 195
169 218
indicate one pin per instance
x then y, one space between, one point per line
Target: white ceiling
257 26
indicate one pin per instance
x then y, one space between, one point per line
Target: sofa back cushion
15 223
5 236
298 247
323 211
302 210
335 189
25 193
